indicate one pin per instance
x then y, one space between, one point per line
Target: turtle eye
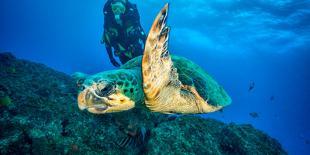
106 91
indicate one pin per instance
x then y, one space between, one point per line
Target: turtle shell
193 75
135 62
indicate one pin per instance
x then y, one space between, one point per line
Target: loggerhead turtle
156 80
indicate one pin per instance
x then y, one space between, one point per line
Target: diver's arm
108 47
112 60
105 39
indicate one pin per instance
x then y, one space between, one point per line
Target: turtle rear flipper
163 90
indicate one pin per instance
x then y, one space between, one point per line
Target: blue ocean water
266 42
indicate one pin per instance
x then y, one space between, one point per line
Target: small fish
252 85
254 114
272 98
134 140
127 142
307 142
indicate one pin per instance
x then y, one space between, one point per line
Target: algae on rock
5 101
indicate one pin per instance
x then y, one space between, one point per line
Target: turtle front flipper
156 61
163 90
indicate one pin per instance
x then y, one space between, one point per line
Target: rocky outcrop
39 115
194 135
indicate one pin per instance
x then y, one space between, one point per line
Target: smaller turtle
158 81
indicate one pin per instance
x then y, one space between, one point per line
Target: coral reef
41 116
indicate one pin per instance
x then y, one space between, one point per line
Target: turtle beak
87 100
82 100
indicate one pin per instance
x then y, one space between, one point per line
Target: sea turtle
156 80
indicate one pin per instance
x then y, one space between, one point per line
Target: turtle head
100 94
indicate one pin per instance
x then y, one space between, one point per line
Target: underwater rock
194 135
43 118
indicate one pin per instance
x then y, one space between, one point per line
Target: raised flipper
163 90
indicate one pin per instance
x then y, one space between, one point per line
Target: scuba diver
122 31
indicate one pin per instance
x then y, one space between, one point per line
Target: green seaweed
13 70
5 101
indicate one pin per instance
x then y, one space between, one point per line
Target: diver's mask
118 9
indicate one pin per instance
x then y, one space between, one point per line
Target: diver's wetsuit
127 39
